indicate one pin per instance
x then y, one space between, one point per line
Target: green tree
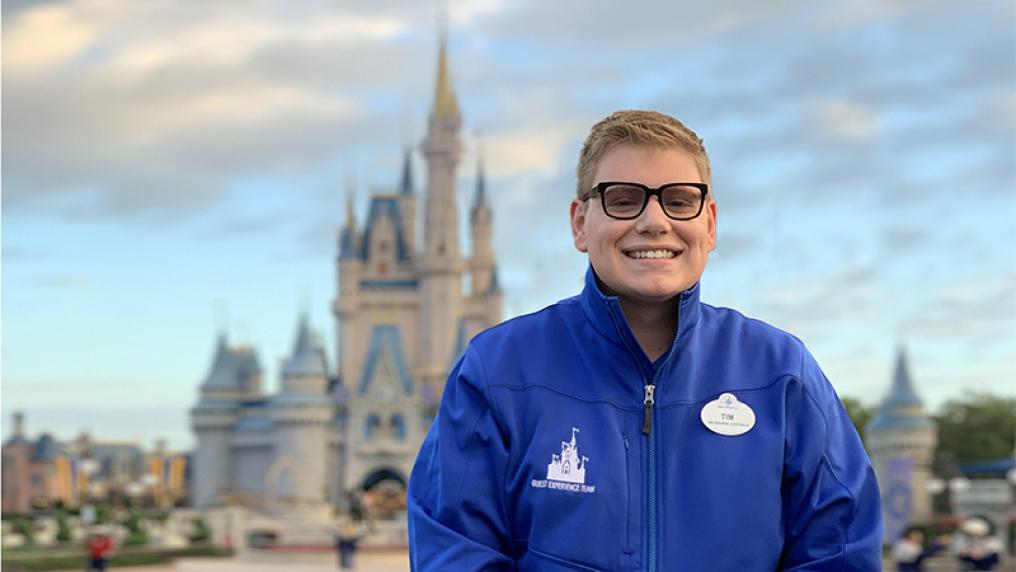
136 534
25 527
63 529
977 427
858 412
201 533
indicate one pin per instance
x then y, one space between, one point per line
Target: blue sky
171 168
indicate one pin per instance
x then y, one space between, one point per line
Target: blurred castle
44 473
901 440
402 319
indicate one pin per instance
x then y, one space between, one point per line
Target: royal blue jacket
547 455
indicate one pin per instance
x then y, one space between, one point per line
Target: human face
612 244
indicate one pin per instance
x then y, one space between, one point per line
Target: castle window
371 425
382 246
399 426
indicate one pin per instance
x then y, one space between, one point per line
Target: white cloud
532 151
44 37
232 39
849 120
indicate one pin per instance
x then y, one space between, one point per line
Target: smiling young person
634 427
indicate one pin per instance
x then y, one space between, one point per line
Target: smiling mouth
661 253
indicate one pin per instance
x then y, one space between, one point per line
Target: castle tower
481 263
407 200
234 376
301 415
901 440
349 269
483 307
440 266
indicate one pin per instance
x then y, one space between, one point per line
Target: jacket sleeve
831 504
457 515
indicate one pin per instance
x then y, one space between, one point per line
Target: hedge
33 561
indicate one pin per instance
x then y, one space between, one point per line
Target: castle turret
440 266
407 200
301 415
481 263
901 441
235 375
349 270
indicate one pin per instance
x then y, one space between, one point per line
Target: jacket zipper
647 429
627 494
648 404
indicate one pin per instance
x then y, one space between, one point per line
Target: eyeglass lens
628 200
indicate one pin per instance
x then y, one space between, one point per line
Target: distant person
910 552
346 542
100 550
976 549
633 426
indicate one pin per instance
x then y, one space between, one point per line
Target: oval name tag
726 415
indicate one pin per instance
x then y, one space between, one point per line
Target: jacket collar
606 316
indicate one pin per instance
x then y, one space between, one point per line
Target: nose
652 220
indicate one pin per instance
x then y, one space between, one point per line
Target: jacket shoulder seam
526 386
825 447
499 423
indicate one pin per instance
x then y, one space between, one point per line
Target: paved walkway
318 562
374 562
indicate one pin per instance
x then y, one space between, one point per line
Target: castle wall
302 438
250 466
211 465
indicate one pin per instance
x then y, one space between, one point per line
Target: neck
654 324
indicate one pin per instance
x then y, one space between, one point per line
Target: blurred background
173 172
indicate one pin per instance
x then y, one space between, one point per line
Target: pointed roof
350 215
230 366
902 408
902 393
390 207
407 174
223 373
445 103
481 184
385 341
307 359
46 449
347 239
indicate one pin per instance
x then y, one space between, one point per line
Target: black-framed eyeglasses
626 201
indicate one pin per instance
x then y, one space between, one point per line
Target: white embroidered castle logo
567 471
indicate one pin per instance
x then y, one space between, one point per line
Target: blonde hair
644 128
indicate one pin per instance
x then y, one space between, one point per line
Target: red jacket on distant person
100 546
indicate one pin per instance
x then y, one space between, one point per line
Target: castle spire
445 104
350 217
348 236
902 392
481 183
407 173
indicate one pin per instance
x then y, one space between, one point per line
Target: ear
711 221
578 224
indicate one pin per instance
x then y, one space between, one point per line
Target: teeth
651 254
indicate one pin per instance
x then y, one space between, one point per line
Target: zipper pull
647 418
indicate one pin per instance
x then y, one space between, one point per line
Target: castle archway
384 493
